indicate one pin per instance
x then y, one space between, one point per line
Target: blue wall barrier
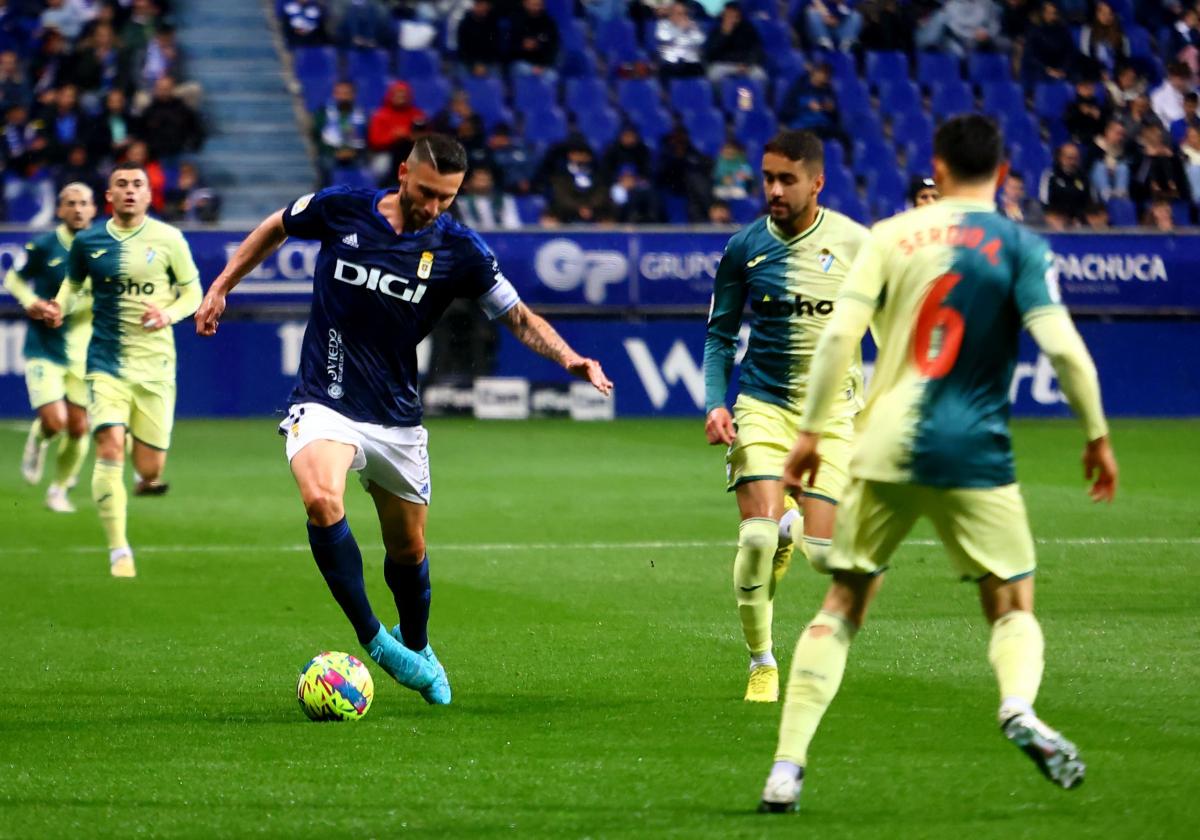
1147 368
656 267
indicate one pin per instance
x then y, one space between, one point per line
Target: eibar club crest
150 255
425 267
825 259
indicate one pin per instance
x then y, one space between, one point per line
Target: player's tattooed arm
535 332
255 248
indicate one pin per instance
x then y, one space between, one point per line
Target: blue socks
410 588
340 562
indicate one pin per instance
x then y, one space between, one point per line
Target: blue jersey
376 295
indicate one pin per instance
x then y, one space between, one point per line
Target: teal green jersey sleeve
1036 282
724 323
77 263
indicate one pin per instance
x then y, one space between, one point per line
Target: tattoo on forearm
537 334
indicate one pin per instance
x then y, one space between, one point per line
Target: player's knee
323 506
759 535
77 427
110 445
406 549
52 423
817 552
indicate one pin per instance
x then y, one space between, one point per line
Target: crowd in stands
655 111
85 84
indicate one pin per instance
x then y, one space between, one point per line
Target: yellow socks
752 584
1016 653
816 674
71 453
108 492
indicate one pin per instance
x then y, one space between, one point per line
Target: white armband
499 299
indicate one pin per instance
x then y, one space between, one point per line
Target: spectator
471 135
113 130
1167 98
304 23
1014 20
1108 164
99 64
1056 220
363 26
732 176
831 25
1086 114
733 47
719 213
340 131
1157 170
810 104
479 48
535 39
163 57
1095 216
78 167
482 206
1190 149
578 194
1049 47
189 200
22 144
1103 40
1159 217
962 26
684 172
64 126
887 25
628 149
922 190
391 124
14 89
456 110
1125 86
138 31
512 160
633 200
1064 189
1191 102
170 125
67 17
1183 45
51 64
679 41
138 154
1138 117
1015 204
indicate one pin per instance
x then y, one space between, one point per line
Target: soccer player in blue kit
390 263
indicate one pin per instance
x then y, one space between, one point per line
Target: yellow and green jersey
946 289
791 285
41 277
150 264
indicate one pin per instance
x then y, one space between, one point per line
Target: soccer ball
335 686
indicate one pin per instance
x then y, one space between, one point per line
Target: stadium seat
918 157
842 64
863 124
706 129
886 67
563 11
1050 99
638 95
1121 212
1022 129
785 64
872 153
755 127
583 93
1181 213
617 41
1031 160
430 95
899 96
530 208
741 93
572 35
367 62
886 189
745 210
545 125
316 69
1002 98
675 208
951 97
775 35
933 68
652 122
851 205
599 124
988 68
417 64
487 95
852 95
911 128
578 63
530 92
356 177
835 154
1140 44
838 178
691 94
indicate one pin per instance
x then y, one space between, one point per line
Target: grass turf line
597 692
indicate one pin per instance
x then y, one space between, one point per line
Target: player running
143 281
390 263
55 358
789 265
947 288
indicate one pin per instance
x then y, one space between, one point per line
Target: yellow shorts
146 409
985 530
48 382
765 434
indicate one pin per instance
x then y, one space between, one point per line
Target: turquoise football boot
411 670
438 692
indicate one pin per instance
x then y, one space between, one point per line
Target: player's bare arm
535 332
1100 468
803 462
255 248
718 427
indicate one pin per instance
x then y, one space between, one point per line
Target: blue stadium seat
898 96
886 67
487 95
581 94
316 69
546 125
1121 212
1002 98
851 205
937 67
835 155
785 64
652 122
842 64
706 129
1140 44
912 128
1022 129
852 95
357 177
951 97
1179 130
530 92
736 91
417 64
1032 158
918 157
745 210
617 40
694 94
530 208
988 67
863 125
562 11
775 35
578 63
430 95
886 187
1050 99
1181 213
599 124
871 154
838 178
368 69
572 35
638 95
755 127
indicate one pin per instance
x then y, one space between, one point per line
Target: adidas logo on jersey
351 239
376 280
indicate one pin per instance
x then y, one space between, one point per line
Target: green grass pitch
584 609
